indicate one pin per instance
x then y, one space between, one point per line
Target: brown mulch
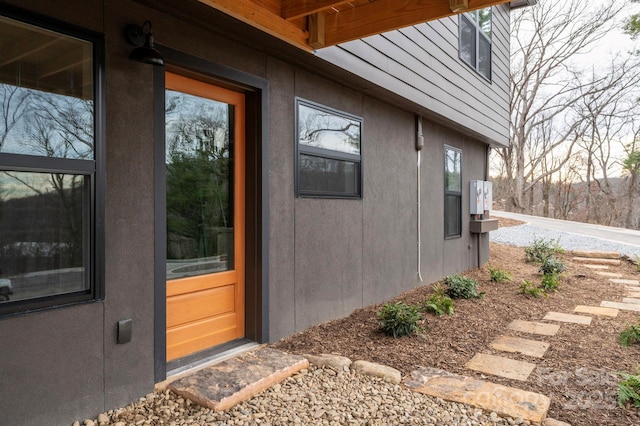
578 371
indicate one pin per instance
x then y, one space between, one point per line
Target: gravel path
523 235
316 396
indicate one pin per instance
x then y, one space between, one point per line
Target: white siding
421 64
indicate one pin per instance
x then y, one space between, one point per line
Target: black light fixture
142 38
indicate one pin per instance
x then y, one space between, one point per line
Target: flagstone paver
595 261
629 282
633 288
597 254
527 347
635 294
534 327
596 310
596 266
631 300
500 366
622 306
609 274
502 400
562 317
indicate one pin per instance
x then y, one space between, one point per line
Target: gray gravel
523 235
316 396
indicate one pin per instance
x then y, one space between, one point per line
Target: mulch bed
578 371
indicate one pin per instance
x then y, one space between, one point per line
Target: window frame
93 169
324 153
451 193
478 32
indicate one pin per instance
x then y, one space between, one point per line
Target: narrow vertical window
452 192
47 166
475 40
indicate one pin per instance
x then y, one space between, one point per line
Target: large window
48 175
452 192
328 152
475 40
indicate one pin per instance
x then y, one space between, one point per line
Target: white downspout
419 146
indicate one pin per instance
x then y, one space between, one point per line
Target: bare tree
544 88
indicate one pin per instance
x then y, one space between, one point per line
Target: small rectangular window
48 172
475 40
328 152
452 192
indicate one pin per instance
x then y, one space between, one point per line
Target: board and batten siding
421 64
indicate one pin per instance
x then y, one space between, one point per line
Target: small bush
629 390
439 303
552 266
630 335
499 275
541 249
550 282
461 287
528 289
399 319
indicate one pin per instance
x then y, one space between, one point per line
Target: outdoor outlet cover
124 331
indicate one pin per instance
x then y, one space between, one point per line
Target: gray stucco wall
327 257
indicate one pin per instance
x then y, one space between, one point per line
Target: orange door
205 215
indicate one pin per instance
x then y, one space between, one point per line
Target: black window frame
478 34
93 169
457 195
329 154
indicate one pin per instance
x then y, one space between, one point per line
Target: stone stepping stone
596 261
540 328
223 385
596 310
609 274
491 397
562 317
621 306
524 346
500 366
635 294
619 281
631 300
596 266
632 288
596 254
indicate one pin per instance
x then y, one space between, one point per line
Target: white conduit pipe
419 146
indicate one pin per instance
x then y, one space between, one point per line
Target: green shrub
528 289
461 287
552 266
550 282
630 335
540 249
499 275
629 389
439 303
399 319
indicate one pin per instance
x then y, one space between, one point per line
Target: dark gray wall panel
281 197
51 366
328 247
86 14
390 213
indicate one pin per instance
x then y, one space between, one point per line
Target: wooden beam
386 15
317 37
458 5
263 19
296 8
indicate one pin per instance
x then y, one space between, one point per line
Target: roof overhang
313 24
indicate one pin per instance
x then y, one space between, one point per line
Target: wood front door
205 174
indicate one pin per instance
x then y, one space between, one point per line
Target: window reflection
42 234
199 199
452 169
321 129
326 175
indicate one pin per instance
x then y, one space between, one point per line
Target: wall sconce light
142 38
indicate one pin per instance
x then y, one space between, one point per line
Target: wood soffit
313 24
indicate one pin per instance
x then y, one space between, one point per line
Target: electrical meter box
476 194
487 196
